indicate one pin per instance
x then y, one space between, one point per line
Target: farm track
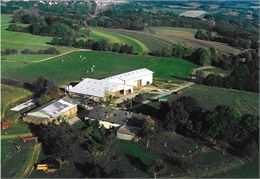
11 136
34 157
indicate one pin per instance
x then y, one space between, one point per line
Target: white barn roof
131 75
93 87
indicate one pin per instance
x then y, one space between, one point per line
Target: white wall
144 79
108 125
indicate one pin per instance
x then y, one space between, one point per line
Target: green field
21 41
210 97
146 38
112 37
106 64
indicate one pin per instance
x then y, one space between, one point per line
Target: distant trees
101 45
200 34
51 50
9 51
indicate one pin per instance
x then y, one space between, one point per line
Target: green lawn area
112 37
248 170
106 64
11 95
210 97
21 41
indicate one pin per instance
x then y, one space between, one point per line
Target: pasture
71 67
193 13
186 37
210 97
112 37
21 41
151 41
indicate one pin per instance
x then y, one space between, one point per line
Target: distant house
64 108
118 85
130 123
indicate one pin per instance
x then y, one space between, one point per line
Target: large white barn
136 78
117 85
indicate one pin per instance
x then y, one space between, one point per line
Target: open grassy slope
148 39
210 97
180 35
69 67
21 41
112 37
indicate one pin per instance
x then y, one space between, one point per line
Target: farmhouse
131 123
118 85
98 88
64 108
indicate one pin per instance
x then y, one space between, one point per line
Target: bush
51 50
9 51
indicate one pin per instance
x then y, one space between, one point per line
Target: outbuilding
64 108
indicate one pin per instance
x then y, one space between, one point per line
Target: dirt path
30 164
11 136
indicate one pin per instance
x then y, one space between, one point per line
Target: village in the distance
129 89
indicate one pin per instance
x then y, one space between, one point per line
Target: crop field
21 41
166 10
193 14
106 64
151 41
210 97
112 37
187 37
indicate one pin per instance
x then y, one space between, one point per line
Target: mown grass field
210 97
112 37
21 41
187 37
70 67
11 95
150 41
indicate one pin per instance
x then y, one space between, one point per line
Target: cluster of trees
101 45
51 50
134 18
9 51
45 90
200 56
223 126
235 30
49 24
244 75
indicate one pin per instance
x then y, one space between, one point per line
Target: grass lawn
248 170
11 95
21 41
112 37
106 64
210 97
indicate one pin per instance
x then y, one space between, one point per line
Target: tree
157 166
44 89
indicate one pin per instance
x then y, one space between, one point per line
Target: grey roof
55 108
112 115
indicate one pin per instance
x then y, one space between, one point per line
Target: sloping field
21 41
186 37
210 97
148 39
70 67
193 14
112 37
